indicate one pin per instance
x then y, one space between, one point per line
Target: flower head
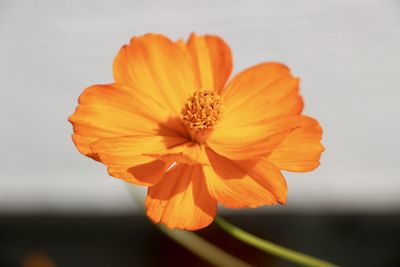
171 122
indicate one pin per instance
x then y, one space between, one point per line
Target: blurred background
62 209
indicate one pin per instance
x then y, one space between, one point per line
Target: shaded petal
150 173
188 153
269 176
239 184
125 158
261 92
113 110
257 139
181 199
137 174
156 65
212 59
301 150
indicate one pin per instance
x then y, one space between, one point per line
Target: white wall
346 52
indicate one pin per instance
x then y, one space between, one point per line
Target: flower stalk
269 247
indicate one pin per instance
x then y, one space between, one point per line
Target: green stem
285 253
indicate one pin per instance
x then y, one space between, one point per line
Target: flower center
202 111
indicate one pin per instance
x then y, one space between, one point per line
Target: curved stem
285 253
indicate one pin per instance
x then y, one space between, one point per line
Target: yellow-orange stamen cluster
202 110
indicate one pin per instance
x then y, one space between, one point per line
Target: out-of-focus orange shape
171 122
37 260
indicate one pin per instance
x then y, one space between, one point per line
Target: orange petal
150 173
269 176
212 59
155 65
261 92
146 171
125 160
238 184
181 199
257 139
188 153
301 150
83 145
113 110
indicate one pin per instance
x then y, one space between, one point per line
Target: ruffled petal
113 110
125 157
212 59
82 143
156 65
239 184
262 92
254 140
301 150
181 199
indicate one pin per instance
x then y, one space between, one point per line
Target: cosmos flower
172 122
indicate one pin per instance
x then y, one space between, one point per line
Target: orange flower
170 122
